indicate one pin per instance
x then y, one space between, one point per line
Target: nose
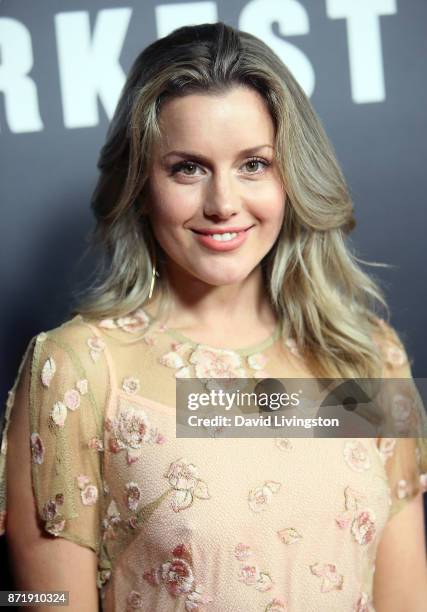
221 198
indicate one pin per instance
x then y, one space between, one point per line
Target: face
215 200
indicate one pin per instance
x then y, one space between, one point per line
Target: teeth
223 237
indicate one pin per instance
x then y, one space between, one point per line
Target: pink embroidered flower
403 413
248 574
2 522
134 600
394 355
72 399
196 598
386 448
48 371
172 360
37 448
260 497
177 576
276 605
89 495
82 481
130 385
216 363
356 456
363 527
362 604
58 414
353 498
251 576
331 579
96 346
107 324
257 361
96 444
289 535
111 522
184 479
344 519
133 495
130 430
54 521
136 322
82 386
242 551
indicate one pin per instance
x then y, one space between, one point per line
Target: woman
224 213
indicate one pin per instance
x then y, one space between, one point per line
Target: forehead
238 118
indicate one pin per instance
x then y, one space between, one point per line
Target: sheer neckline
244 352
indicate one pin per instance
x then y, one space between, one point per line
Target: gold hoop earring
154 273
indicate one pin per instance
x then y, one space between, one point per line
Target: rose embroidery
362 519
331 579
356 456
260 497
250 574
133 496
184 479
289 535
88 492
111 522
130 430
96 346
135 322
48 371
37 448
176 575
54 520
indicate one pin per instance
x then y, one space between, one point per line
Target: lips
226 230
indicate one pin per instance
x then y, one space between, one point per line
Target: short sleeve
63 396
404 457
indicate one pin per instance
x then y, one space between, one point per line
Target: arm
400 579
40 561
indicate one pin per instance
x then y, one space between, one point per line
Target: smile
222 242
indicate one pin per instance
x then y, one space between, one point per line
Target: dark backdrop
62 65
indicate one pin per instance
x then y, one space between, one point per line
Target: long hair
322 297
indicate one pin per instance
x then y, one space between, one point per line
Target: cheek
271 203
171 206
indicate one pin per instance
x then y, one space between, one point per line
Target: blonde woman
224 214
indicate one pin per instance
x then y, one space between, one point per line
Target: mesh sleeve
405 457
62 400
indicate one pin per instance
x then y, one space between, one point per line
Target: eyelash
177 167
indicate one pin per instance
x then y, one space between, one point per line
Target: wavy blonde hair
322 297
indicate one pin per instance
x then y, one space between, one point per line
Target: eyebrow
202 159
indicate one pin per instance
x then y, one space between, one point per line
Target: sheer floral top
215 524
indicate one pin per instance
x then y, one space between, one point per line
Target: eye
255 162
187 168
